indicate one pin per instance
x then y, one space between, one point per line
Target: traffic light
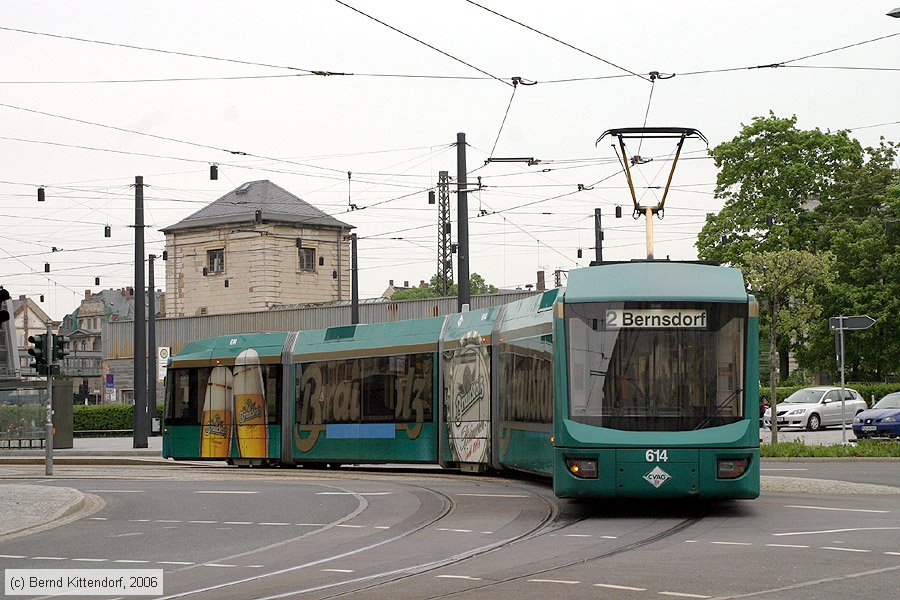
4 314
60 347
39 352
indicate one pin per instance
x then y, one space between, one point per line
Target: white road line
127 534
785 546
223 492
309 524
337 570
609 537
458 577
118 491
354 493
97 519
89 559
862 510
620 587
844 549
382 527
454 530
838 530
273 523
690 541
237 522
732 543
495 495
12 556
138 520
173 562
216 565
253 566
352 526
893 553
167 521
47 558
204 522
130 562
562 581
682 595
577 535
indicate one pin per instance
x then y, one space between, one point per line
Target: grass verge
863 448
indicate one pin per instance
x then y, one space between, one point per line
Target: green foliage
17 419
106 417
477 286
863 448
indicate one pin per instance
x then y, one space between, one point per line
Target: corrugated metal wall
175 333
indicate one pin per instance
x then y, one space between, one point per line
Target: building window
215 260
307 258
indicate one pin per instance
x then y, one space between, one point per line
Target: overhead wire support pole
598 236
139 419
152 368
48 447
445 249
354 282
462 231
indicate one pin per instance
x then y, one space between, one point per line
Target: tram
638 379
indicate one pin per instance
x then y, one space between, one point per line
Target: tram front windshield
656 366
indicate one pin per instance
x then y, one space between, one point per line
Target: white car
816 408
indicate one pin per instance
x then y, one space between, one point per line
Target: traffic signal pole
48 449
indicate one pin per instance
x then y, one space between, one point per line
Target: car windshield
889 401
804 397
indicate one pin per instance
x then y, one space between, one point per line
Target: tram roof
226 348
656 280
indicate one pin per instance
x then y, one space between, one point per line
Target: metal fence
118 336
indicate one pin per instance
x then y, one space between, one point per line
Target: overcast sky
392 119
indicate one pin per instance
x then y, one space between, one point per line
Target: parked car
882 420
816 408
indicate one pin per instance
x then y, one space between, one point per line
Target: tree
788 281
477 285
768 174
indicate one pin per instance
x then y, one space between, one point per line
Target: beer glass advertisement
467 394
234 419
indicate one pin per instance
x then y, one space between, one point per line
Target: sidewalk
104 446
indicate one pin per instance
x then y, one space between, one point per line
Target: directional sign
857 322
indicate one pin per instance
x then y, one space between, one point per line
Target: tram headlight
583 468
731 468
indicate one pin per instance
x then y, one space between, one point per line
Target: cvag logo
657 477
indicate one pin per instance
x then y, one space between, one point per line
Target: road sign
857 322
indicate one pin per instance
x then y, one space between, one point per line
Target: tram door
466 390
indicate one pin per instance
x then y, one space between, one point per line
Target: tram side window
272 381
185 389
526 380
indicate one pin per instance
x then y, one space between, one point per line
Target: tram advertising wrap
638 379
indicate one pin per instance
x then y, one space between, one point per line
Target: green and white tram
637 380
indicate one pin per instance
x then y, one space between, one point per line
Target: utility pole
354 282
152 369
445 258
140 322
462 231
598 236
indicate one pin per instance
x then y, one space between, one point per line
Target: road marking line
237 523
253 566
309 524
844 549
97 519
352 526
204 522
690 541
609 537
216 565
47 558
354 493
786 546
273 523
554 581
620 587
487 532
495 495
337 570
119 491
455 530
127 534
577 535
382 527
90 559
173 562
131 561
223 492
681 595
863 510
838 530
893 553
138 520
733 543
12 556
167 521
458 577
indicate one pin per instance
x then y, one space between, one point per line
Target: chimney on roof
87 294
22 297
391 282
540 281
406 284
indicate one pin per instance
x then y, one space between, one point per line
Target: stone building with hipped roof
255 247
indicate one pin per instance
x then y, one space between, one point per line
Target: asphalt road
237 533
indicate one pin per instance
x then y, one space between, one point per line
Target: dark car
882 420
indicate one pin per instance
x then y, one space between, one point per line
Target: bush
867 390
106 417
